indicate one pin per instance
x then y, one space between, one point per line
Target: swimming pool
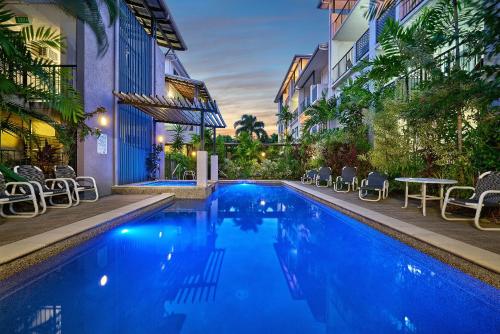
168 183
250 259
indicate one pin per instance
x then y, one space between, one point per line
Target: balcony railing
407 6
295 115
362 45
445 62
55 78
343 66
343 15
381 21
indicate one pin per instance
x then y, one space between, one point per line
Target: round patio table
423 195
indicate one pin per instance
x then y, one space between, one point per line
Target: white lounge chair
486 194
78 184
324 176
376 182
46 188
16 192
309 176
347 178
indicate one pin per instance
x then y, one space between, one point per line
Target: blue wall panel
135 69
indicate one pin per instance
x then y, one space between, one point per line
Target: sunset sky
242 49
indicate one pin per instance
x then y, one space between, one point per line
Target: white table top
425 180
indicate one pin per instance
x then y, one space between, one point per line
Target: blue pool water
169 183
250 259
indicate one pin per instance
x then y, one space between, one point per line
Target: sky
242 49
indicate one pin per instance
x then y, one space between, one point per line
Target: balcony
343 15
55 78
362 45
407 6
381 21
343 66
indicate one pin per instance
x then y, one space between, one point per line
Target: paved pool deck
461 239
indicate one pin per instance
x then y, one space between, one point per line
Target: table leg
441 195
424 195
406 195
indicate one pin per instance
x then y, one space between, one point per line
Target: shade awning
176 110
187 87
149 11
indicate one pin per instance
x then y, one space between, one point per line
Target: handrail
175 169
341 18
407 6
343 65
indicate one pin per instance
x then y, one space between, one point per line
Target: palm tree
178 136
285 116
320 113
249 124
448 22
19 58
89 12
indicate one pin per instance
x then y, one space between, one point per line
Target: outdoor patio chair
78 184
309 176
376 182
46 188
324 175
189 175
348 178
16 192
486 194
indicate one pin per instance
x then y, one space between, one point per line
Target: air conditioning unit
317 92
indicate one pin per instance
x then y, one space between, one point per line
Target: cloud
243 51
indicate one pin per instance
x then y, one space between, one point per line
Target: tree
19 54
320 113
249 124
178 136
285 116
89 12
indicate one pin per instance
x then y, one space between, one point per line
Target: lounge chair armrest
448 192
51 183
16 184
487 192
363 182
89 179
338 178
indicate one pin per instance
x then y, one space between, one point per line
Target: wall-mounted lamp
160 139
103 120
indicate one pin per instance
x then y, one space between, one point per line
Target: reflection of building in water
132 280
303 265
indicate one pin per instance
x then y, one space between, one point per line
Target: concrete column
161 135
214 168
202 168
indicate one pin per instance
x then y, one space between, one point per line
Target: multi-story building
312 84
140 61
288 96
353 37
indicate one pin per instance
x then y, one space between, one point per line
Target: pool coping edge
19 255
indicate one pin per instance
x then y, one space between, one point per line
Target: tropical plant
153 162
250 125
285 116
319 114
89 11
178 137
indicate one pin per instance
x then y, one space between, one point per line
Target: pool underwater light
104 280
